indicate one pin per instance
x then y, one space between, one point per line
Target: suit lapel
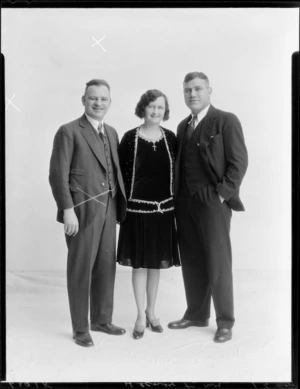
208 123
182 129
89 134
181 133
207 128
180 138
113 145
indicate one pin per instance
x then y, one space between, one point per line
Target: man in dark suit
88 188
211 163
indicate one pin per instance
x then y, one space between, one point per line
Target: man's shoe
83 339
223 335
108 329
183 323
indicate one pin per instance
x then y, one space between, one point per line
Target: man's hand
71 222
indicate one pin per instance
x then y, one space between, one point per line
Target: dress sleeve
126 149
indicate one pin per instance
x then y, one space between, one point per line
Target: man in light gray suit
88 188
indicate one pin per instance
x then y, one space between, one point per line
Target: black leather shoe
83 339
138 331
108 329
154 325
223 335
137 334
183 323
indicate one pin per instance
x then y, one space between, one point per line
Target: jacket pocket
215 143
216 156
79 172
214 138
75 180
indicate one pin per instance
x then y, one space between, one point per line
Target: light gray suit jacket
78 171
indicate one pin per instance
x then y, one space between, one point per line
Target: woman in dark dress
147 239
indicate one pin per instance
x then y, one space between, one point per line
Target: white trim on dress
157 203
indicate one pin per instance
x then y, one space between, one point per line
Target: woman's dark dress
147 237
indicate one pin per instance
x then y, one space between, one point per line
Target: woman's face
155 111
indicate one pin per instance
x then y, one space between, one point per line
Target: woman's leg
139 282
152 287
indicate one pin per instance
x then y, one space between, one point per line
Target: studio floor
40 346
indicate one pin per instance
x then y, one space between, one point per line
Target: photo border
295 148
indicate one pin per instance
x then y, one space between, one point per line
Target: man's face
96 101
196 94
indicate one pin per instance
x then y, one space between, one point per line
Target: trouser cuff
188 316
80 328
225 323
102 319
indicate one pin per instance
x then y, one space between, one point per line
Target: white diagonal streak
97 42
93 197
11 103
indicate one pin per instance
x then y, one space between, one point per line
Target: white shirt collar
95 123
201 114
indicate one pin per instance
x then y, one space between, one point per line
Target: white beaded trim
134 161
150 140
171 168
151 202
157 203
154 211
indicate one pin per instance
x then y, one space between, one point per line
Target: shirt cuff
221 198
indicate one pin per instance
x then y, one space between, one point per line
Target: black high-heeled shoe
155 325
138 331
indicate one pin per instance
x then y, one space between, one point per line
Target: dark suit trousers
204 241
91 269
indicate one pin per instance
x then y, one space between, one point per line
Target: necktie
101 131
191 126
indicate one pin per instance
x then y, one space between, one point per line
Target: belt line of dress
157 203
151 202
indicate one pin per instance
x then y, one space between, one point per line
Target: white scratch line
11 103
97 42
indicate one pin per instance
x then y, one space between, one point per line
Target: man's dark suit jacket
222 151
77 171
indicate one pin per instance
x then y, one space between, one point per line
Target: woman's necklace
150 139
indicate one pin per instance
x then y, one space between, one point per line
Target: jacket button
198 144
102 184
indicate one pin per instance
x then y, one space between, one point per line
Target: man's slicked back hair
192 75
97 82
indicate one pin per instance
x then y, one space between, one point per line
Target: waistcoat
193 175
110 168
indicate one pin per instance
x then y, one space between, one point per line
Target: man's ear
83 100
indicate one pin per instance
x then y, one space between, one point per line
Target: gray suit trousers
205 247
91 269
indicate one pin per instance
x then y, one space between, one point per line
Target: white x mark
11 103
97 42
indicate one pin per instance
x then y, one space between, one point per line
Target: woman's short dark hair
147 98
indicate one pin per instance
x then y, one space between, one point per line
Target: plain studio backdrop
51 53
